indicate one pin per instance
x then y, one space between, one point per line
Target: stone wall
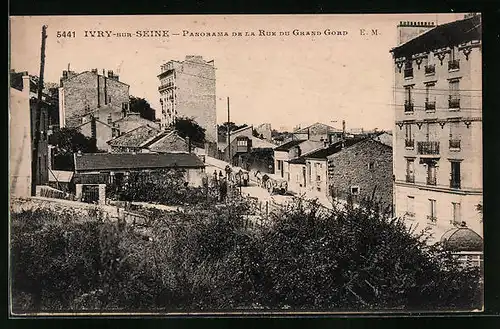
367 165
92 90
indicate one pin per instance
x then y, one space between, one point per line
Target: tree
68 141
231 125
141 106
188 127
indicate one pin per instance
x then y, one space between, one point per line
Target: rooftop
288 145
450 34
135 137
462 239
124 161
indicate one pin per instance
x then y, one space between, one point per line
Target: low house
133 141
319 132
223 140
146 139
290 150
361 171
133 120
93 171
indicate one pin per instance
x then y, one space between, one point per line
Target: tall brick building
82 93
187 89
438 126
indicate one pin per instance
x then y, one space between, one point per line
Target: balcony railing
430 69
453 65
455 144
454 183
409 143
454 103
408 106
430 106
431 180
166 86
410 178
408 72
428 148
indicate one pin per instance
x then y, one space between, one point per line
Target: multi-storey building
438 125
86 92
187 89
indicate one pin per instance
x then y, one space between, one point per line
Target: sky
286 80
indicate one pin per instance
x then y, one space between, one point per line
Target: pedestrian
223 190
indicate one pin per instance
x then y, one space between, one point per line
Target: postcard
245 164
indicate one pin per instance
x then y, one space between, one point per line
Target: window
124 106
279 164
453 63
432 211
410 206
110 119
410 170
408 72
431 174
318 178
455 174
455 212
455 136
371 165
408 99
242 142
354 190
409 142
430 98
454 100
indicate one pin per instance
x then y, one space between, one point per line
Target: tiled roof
333 148
288 145
117 161
135 137
317 126
462 239
450 34
259 143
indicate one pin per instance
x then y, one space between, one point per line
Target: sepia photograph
245 164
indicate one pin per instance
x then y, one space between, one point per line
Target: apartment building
437 151
187 89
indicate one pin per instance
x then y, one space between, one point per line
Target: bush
207 259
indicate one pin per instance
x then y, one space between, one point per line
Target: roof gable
135 137
289 145
159 144
317 127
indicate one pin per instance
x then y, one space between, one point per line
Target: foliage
165 187
188 127
68 141
141 106
208 258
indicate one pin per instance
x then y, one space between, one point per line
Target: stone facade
438 128
87 91
187 89
362 170
169 143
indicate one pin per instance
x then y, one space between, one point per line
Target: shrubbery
210 259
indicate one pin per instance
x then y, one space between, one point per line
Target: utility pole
38 109
228 132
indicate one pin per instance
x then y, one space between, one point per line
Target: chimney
94 71
26 85
188 141
409 30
